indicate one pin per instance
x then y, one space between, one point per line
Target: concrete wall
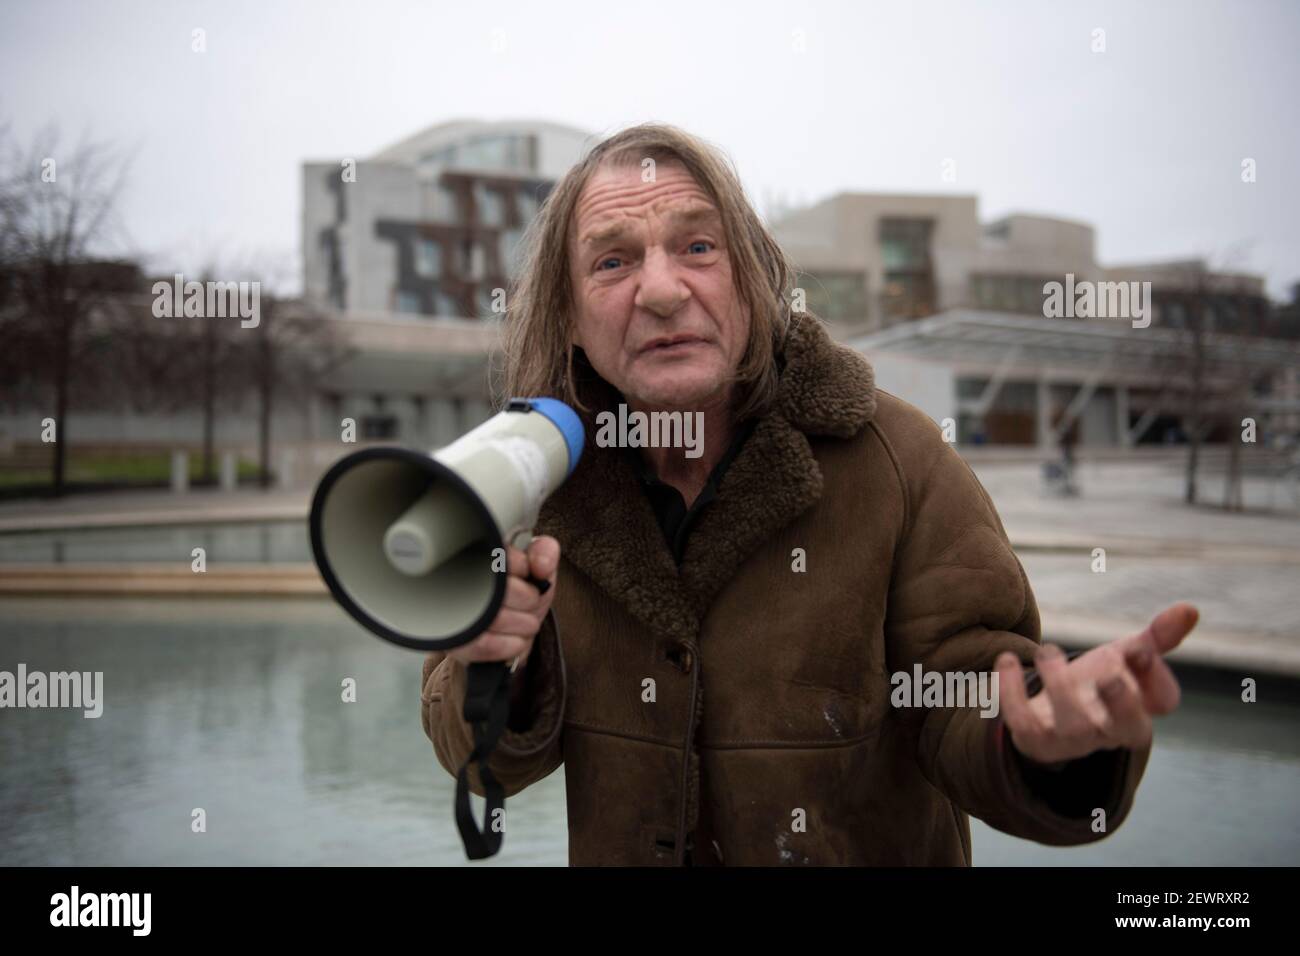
558 148
318 215
1097 422
369 264
929 386
843 233
382 191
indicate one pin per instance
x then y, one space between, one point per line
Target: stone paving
1143 500
1240 569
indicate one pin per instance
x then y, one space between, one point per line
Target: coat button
680 656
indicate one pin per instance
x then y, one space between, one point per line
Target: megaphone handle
487 707
521 537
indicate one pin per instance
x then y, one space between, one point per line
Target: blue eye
701 242
604 262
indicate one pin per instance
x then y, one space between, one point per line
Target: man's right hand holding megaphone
510 635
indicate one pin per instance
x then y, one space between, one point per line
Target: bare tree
209 369
57 211
1219 392
285 356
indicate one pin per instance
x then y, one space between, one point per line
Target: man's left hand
1100 700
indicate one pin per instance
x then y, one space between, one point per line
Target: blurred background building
410 250
407 255
950 311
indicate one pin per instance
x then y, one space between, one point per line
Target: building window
508 152
1175 315
528 204
511 250
970 389
428 258
439 203
439 158
483 299
409 302
472 260
835 296
1010 293
375 427
444 304
491 207
908 290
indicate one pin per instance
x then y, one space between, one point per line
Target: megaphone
411 545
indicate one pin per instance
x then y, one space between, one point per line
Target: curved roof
410 149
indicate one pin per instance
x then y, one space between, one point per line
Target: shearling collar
607 529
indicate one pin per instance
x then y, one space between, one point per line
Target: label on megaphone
529 462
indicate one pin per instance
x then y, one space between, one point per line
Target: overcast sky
1144 140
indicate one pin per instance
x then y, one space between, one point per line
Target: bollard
180 472
284 474
229 471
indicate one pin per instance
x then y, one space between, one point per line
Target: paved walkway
1240 569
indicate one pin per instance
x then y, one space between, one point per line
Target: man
716 665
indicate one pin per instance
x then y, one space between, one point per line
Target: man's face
656 311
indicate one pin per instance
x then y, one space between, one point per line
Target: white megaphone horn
409 543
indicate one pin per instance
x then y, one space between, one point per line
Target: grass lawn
100 468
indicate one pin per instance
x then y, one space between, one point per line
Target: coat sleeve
531 745
958 598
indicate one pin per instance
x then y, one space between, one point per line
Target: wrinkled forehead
627 185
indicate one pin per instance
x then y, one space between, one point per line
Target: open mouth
669 347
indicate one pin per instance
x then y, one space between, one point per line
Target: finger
1130 724
1094 709
1013 700
1069 718
490 646
516 562
516 623
1159 687
1165 632
1142 653
522 596
543 557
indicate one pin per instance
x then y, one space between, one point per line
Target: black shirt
669 507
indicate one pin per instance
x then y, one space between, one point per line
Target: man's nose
661 290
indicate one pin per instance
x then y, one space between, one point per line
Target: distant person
729 633
1067 461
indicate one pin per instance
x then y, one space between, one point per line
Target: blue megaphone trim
562 417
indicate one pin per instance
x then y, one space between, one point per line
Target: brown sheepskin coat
740 705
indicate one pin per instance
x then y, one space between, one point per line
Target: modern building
413 249
956 316
430 225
